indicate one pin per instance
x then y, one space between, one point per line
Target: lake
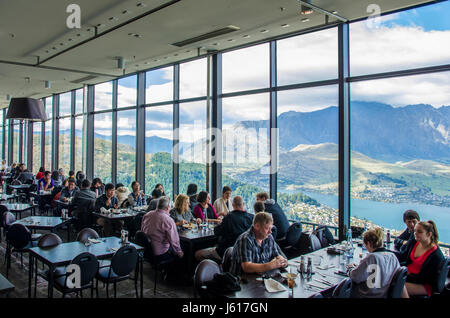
390 215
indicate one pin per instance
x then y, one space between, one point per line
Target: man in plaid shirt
256 251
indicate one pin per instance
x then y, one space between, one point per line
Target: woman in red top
423 260
40 174
203 200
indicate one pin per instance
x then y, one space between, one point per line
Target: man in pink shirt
161 228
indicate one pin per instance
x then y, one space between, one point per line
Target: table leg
50 281
30 270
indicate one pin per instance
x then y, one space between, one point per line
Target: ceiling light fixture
120 63
48 85
285 25
305 9
304 20
264 31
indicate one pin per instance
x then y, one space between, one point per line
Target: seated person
46 182
161 228
55 178
71 175
256 251
223 204
108 201
159 186
192 194
68 191
85 196
122 193
204 209
61 175
181 213
97 187
79 178
258 206
40 174
423 257
26 177
156 194
137 197
410 218
233 224
385 263
279 218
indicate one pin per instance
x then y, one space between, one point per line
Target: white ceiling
32 29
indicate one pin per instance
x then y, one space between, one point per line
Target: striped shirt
246 249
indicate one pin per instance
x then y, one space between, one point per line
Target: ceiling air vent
84 79
206 36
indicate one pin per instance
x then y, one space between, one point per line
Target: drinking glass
291 276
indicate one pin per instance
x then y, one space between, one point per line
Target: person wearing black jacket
423 258
232 226
410 218
279 218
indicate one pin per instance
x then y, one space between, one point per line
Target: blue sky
431 17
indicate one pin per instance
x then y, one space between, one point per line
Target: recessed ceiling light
89 30
230 40
141 4
304 20
61 44
165 57
46 51
264 31
285 25
216 44
246 36
176 54
125 12
188 51
69 40
113 19
55 48
137 36
145 63
79 34
334 12
155 60
137 65
100 25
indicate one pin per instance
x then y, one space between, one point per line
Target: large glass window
79 121
127 91
48 133
103 146
192 168
193 78
37 133
64 144
126 147
308 57
159 148
65 104
159 85
400 151
16 132
103 96
7 140
246 69
245 138
79 101
2 155
409 39
308 169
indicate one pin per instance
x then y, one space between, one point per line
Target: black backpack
222 284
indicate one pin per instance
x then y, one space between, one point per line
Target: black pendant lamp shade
25 108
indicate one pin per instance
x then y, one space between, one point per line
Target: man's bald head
238 203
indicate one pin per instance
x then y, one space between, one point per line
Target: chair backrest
18 236
324 235
293 233
87 233
317 295
15 182
443 272
274 232
141 239
205 272
315 243
125 204
124 260
343 289
8 219
398 282
226 260
88 264
49 240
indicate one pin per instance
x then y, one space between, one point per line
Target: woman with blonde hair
423 258
181 213
373 276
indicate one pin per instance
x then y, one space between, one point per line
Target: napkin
95 241
272 286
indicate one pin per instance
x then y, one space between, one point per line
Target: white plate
272 286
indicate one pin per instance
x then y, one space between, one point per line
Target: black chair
87 233
122 264
226 259
398 282
324 235
317 295
88 265
315 243
7 219
343 289
292 236
125 204
18 240
204 272
443 273
143 240
49 240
